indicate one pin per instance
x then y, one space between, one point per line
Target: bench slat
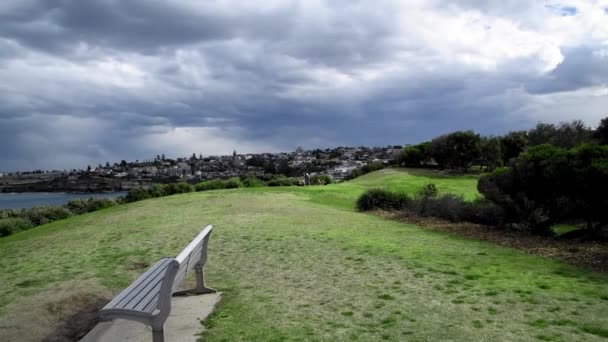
136 292
150 297
153 271
146 294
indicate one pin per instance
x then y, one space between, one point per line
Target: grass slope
299 264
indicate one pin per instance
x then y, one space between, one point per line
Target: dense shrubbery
382 199
547 184
365 169
46 214
427 203
252 182
320 179
213 184
13 225
282 181
13 221
158 190
81 206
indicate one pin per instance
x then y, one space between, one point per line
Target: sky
85 82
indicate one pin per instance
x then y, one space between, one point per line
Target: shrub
252 182
282 181
9 213
233 183
320 180
546 185
94 204
381 199
214 184
137 194
156 190
375 166
80 206
46 214
77 206
183 188
13 225
428 191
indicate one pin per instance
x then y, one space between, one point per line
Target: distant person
306 179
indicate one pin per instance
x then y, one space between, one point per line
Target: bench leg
158 334
200 284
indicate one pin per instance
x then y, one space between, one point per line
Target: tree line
534 179
462 149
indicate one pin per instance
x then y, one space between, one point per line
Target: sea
33 199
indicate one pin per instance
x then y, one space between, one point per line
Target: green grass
299 264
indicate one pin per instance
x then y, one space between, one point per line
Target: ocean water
32 199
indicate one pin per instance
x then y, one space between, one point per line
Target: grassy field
299 264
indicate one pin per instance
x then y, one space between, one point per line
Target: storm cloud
84 82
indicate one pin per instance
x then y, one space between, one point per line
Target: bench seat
141 297
148 298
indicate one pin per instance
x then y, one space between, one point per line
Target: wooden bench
148 299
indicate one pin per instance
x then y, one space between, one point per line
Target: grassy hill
299 264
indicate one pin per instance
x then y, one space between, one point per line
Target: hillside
299 264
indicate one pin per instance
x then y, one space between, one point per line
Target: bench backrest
195 253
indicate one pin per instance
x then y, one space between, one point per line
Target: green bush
282 181
233 183
9 213
252 182
13 225
381 199
546 185
183 188
214 184
428 191
94 204
80 206
137 194
156 190
46 214
177 188
320 180
77 206
375 166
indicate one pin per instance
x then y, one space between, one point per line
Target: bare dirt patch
65 312
589 254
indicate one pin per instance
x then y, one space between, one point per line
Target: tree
416 155
490 153
123 163
541 134
564 135
89 168
513 144
457 150
193 158
601 132
546 185
107 165
571 134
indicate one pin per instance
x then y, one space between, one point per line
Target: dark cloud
90 81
